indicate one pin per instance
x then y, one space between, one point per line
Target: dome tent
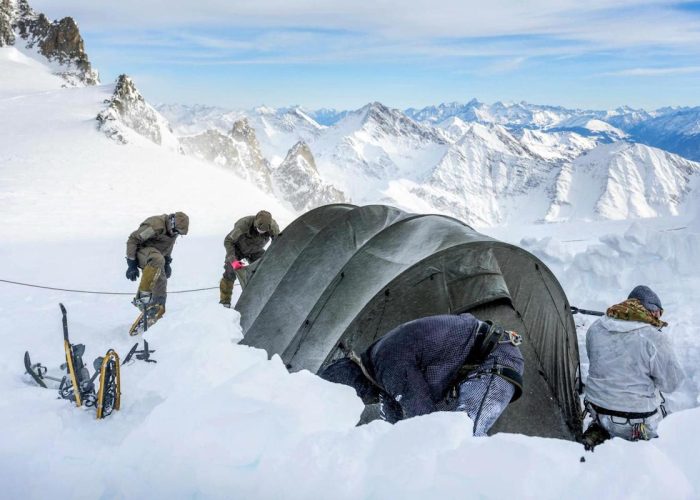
341 276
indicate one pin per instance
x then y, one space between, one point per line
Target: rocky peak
297 180
301 149
242 131
7 35
386 121
127 109
59 41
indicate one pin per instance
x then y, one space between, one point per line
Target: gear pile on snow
77 385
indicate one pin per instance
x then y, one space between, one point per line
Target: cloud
682 70
600 23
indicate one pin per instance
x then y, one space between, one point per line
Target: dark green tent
341 276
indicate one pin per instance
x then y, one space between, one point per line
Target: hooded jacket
245 242
417 362
628 361
156 232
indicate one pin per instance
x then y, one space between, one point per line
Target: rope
96 292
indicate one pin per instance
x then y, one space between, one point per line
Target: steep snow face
128 112
453 128
370 147
22 74
480 172
52 156
556 146
621 181
297 180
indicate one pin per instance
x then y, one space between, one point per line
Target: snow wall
341 276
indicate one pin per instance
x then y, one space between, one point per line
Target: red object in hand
236 264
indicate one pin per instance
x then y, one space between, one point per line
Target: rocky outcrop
239 150
297 180
7 35
127 110
59 41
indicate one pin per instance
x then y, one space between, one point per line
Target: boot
594 435
225 292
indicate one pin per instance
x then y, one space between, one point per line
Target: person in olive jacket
247 241
149 248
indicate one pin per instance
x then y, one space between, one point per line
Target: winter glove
237 264
133 270
168 269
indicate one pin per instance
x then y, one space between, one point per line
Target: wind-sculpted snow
215 419
599 264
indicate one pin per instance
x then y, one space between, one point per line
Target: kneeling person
414 367
630 358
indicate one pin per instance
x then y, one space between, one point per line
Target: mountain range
489 165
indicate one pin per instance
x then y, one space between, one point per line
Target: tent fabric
341 276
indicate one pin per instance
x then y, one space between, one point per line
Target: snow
22 73
214 419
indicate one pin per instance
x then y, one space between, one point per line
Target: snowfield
214 419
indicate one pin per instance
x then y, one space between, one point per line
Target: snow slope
213 419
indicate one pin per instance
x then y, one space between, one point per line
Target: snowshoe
34 370
77 386
146 319
109 393
39 373
144 354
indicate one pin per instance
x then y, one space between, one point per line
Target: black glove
168 269
133 271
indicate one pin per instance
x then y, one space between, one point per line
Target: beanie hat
647 297
263 221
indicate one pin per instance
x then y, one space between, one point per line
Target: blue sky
240 54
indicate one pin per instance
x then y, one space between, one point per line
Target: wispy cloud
682 70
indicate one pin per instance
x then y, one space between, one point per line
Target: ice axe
576 310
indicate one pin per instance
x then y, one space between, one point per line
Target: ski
33 370
109 393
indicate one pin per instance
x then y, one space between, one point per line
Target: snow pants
149 256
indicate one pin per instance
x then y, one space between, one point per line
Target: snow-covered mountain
127 112
623 181
57 42
297 180
477 170
674 129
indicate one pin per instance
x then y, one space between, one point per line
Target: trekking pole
576 310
